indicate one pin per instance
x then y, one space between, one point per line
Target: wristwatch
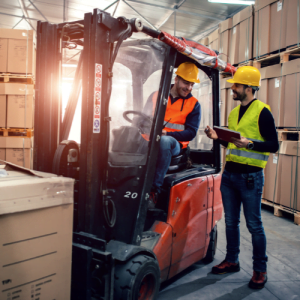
250 145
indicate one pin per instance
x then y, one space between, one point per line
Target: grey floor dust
283 250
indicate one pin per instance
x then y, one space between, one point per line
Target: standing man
182 119
243 177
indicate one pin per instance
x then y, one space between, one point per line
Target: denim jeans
168 147
235 192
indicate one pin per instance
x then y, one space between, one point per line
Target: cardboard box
290 148
231 104
18 150
213 40
3 55
266 74
243 22
291 70
223 100
204 41
36 217
245 43
278 22
272 173
289 197
224 41
234 45
20 51
2 111
225 25
276 88
20 106
292 36
20 111
262 27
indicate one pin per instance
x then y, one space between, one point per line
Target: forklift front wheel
137 279
212 247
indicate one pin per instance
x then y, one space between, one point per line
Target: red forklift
122 249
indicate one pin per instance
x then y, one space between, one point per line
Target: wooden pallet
276 58
286 134
16 132
280 210
16 78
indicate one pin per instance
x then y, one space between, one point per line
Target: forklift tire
137 279
212 247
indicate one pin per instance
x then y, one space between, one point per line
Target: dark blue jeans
235 192
168 147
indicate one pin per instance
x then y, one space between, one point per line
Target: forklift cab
114 165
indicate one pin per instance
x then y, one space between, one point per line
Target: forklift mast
113 165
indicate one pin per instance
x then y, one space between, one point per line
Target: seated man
182 119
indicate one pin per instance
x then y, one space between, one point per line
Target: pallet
288 135
16 132
276 58
16 78
280 210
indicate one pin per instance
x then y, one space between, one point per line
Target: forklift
121 248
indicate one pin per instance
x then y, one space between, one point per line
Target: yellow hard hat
189 72
246 75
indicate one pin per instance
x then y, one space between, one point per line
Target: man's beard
240 97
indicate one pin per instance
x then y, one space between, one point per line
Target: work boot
226 267
258 280
152 200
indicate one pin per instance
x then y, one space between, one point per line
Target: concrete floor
283 250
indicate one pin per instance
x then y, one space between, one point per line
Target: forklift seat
179 162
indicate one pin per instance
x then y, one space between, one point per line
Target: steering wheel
142 124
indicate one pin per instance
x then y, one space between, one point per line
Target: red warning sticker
97 98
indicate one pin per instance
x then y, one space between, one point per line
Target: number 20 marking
130 195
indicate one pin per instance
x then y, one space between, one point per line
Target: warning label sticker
97 98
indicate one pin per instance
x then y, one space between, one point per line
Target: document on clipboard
225 134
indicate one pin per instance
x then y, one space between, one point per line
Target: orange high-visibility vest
176 114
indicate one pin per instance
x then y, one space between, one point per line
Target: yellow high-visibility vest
249 128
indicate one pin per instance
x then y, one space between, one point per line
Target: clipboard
225 134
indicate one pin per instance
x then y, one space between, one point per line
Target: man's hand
210 133
240 143
164 132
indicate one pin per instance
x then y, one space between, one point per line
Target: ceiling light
240 2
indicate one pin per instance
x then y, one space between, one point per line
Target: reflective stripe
228 152
175 126
249 154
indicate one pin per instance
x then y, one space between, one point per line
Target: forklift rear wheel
212 247
137 279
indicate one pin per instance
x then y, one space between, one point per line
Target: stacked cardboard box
291 82
17 150
224 38
36 220
17 51
226 101
292 35
289 174
16 103
213 40
271 180
241 36
17 57
271 91
269 26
